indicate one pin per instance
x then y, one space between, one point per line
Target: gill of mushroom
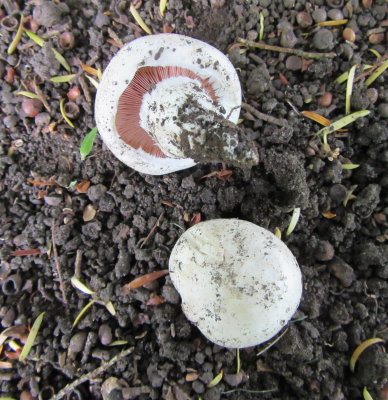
238 282
166 102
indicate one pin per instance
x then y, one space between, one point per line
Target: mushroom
167 101
238 282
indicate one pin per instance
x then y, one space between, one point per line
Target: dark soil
343 259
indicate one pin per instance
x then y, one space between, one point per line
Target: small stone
342 271
294 63
105 334
101 20
77 342
52 201
338 192
233 379
304 19
323 40
319 15
42 119
324 251
376 38
383 110
95 192
335 14
340 314
325 100
372 94
32 107
288 38
217 3
349 34
48 13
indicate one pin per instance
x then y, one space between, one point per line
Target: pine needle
332 23
380 70
82 312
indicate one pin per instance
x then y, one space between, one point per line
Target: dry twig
264 117
58 265
297 52
143 241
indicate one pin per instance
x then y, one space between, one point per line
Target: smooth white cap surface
239 283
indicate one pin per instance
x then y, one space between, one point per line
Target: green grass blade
28 94
261 19
34 37
82 313
81 286
294 220
59 57
87 143
63 78
18 36
31 337
62 109
380 70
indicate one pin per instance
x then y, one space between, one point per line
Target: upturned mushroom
166 102
238 282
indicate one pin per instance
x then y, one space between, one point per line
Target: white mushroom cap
163 50
238 282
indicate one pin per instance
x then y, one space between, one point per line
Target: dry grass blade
238 361
34 37
110 307
65 117
380 70
216 380
294 220
261 32
30 95
18 36
17 331
139 19
360 349
329 215
82 313
316 117
118 343
31 337
277 232
90 70
349 88
374 52
143 280
332 23
92 81
81 286
162 7
5 365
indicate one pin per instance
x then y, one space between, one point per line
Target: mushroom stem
207 136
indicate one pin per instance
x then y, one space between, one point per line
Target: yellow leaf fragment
360 349
81 286
316 117
59 57
139 19
62 78
28 94
90 70
82 312
332 23
216 380
110 307
92 81
350 166
162 7
277 232
65 117
329 215
366 394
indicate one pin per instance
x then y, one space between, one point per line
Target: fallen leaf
42 182
191 376
89 213
329 215
83 186
143 280
283 80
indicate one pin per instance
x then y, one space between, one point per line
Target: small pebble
338 192
323 40
372 94
217 3
294 63
105 334
376 38
325 100
342 271
32 107
288 38
66 40
319 15
367 3
77 342
304 19
48 13
42 119
324 251
335 14
383 110
348 34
